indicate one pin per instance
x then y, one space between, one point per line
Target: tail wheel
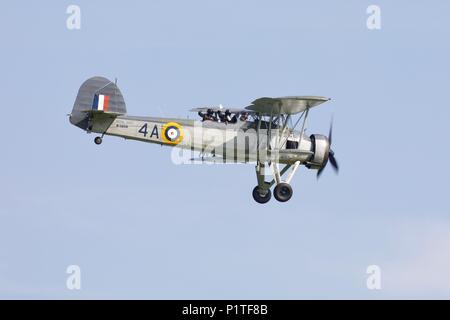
282 192
98 140
259 195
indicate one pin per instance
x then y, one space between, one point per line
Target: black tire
282 192
261 198
98 140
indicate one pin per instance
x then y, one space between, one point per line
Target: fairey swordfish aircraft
262 133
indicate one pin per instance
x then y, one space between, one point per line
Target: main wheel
261 198
282 192
98 140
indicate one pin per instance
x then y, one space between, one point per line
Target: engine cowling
320 147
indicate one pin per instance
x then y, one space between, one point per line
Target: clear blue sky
141 227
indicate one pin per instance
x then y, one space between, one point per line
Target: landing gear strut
282 191
98 140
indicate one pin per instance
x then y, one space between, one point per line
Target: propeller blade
330 134
319 172
331 156
333 161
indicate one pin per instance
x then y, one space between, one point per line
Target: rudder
97 95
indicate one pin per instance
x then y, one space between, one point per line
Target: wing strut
305 114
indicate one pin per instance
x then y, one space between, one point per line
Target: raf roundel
172 133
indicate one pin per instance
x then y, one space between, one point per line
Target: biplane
263 133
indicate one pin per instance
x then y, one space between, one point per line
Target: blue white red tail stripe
101 102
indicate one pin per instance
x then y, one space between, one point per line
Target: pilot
244 116
229 118
220 116
214 116
202 115
208 116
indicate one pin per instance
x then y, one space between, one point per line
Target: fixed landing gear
261 195
98 140
282 192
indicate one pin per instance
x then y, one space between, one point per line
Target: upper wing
285 105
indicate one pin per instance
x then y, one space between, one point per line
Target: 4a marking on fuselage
171 132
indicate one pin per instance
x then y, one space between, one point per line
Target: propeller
331 156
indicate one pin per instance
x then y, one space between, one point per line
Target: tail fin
97 96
